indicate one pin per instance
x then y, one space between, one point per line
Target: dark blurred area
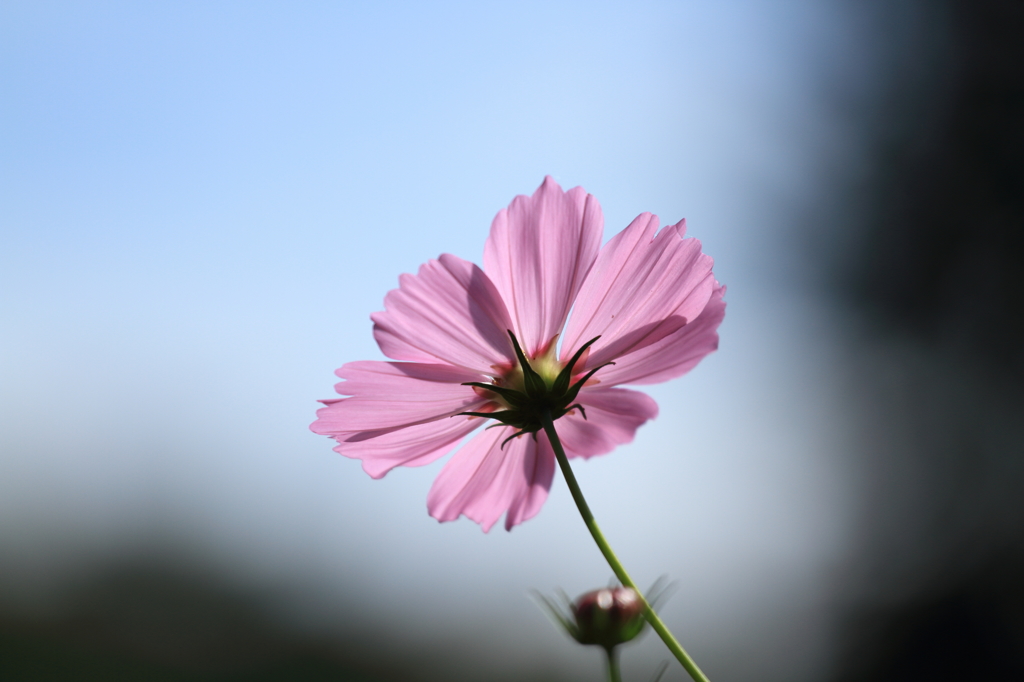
936 277
165 610
150 616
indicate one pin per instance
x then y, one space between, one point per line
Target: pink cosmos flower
550 305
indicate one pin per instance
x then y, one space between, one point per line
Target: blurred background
202 203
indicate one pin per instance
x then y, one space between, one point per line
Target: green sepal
660 591
575 390
534 383
516 435
557 613
506 417
565 376
512 397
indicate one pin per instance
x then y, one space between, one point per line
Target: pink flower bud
608 617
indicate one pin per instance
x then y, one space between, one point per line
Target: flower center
537 392
545 365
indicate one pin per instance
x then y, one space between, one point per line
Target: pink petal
450 312
416 445
643 287
388 395
482 481
675 354
613 416
538 254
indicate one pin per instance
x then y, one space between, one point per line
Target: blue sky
202 203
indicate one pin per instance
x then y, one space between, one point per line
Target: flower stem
614 674
613 561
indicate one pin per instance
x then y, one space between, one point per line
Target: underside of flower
646 301
530 396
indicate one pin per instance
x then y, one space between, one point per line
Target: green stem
613 561
614 674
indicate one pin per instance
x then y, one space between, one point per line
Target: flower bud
608 617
